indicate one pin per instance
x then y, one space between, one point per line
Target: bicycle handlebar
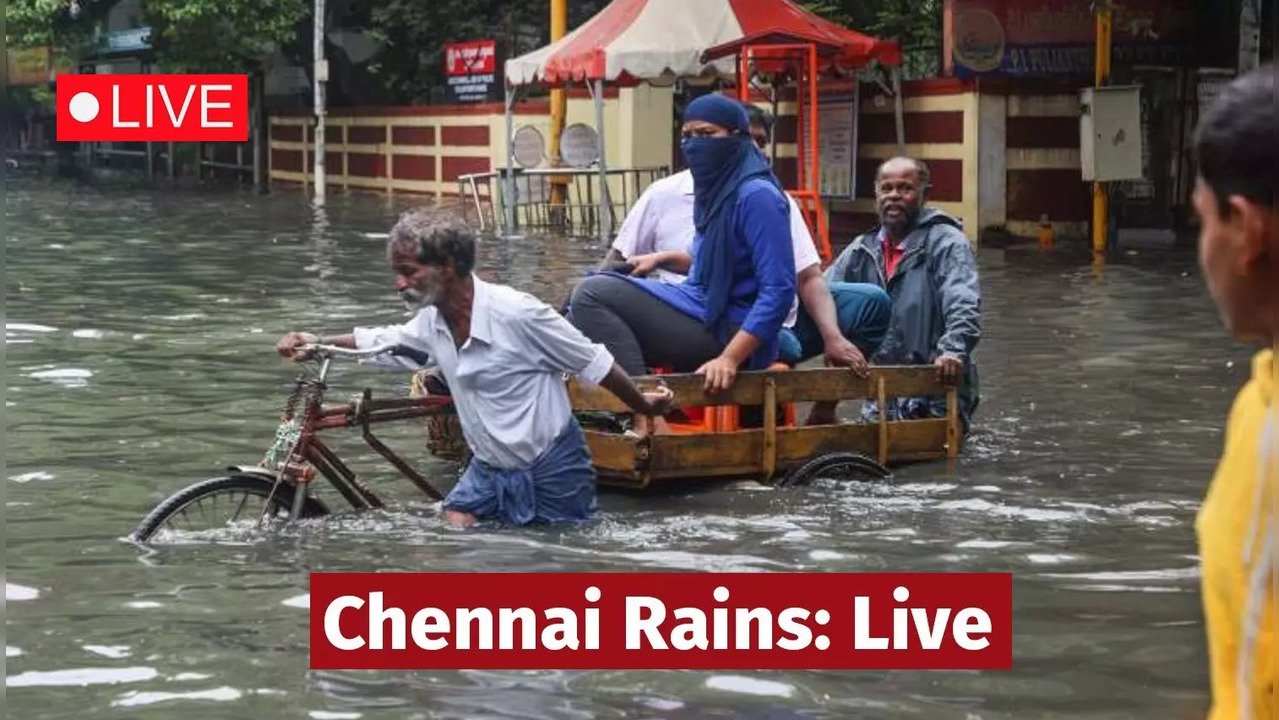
323 351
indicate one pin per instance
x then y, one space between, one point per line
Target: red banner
154 108
478 57
661 621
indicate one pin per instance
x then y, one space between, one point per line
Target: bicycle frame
309 454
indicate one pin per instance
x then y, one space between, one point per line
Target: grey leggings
640 331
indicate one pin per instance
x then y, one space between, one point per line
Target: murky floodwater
139 336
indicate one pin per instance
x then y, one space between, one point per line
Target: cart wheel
836 465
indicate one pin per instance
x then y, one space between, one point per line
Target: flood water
139 358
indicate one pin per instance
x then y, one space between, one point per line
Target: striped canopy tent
662 41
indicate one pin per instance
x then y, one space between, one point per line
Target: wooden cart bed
769 452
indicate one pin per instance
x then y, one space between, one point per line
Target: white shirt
507 380
662 220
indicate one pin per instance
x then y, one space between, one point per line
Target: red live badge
153 108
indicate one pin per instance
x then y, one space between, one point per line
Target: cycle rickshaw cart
779 451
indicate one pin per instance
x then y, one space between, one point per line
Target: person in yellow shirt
1239 253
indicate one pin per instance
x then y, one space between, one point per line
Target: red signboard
153 108
649 621
478 57
472 70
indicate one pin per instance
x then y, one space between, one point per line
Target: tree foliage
219 35
914 23
186 35
63 24
234 35
414 33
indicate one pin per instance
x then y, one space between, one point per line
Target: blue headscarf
720 166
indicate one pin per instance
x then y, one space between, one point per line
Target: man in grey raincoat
922 258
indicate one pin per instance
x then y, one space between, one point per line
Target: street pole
1100 209
559 110
1249 35
321 75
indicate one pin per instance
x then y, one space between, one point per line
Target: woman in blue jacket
728 314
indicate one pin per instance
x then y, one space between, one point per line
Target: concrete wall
1002 155
940 128
423 149
1043 169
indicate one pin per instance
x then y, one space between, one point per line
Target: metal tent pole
508 190
606 215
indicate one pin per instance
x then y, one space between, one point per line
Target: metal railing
579 214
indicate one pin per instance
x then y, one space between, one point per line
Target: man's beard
415 300
902 220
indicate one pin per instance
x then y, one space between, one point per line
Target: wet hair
921 170
1235 140
434 239
756 115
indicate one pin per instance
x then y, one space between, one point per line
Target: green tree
219 35
64 24
915 23
411 64
186 35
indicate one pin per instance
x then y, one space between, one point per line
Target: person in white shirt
504 355
845 322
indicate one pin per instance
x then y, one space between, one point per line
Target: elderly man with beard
504 355
921 256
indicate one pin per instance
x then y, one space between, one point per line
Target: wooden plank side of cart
767 451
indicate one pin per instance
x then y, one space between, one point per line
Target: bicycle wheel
185 508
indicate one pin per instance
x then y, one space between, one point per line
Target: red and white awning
658 41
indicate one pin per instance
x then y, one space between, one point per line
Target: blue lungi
559 487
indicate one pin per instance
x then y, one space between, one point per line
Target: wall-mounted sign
472 70
579 145
1057 37
528 147
837 145
125 41
31 66
979 40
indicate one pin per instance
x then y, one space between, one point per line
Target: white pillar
321 75
1249 35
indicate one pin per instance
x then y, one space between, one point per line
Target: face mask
707 157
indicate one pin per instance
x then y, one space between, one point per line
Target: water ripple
139 351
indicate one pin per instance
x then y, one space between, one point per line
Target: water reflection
139 336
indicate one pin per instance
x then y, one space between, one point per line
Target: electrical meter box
1110 137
